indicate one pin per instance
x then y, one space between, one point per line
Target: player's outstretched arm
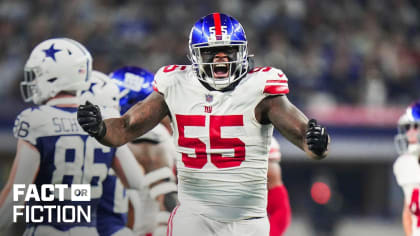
24 171
294 125
115 132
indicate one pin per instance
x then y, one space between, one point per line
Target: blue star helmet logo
50 52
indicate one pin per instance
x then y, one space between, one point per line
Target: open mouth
221 70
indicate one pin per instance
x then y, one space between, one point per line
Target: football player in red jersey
223 114
278 207
407 168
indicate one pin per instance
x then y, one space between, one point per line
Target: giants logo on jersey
208 109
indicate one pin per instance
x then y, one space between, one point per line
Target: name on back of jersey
33 123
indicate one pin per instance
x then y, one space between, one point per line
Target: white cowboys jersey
68 156
407 173
222 150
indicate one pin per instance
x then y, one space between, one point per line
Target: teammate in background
52 148
407 169
150 207
223 115
278 207
113 207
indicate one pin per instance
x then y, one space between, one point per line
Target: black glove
316 137
90 119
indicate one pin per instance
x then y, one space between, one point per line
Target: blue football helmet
135 85
409 120
216 33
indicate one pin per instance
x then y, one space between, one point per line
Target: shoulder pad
28 122
407 170
164 77
275 81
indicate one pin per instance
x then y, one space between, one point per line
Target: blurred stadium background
352 64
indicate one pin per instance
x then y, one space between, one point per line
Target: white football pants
184 222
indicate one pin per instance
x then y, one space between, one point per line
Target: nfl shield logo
209 98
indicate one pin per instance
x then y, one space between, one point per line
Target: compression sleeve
278 209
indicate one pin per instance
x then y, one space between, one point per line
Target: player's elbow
117 132
114 145
110 143
131 128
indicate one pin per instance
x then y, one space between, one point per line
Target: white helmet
55 65
102 91
409 122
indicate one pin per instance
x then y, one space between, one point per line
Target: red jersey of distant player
278 207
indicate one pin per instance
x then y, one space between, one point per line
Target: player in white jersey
407 168
154 150
223 114
278 205
53 149
113 207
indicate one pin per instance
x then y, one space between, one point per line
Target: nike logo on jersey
280 75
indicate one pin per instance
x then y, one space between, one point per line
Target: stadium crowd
355 52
